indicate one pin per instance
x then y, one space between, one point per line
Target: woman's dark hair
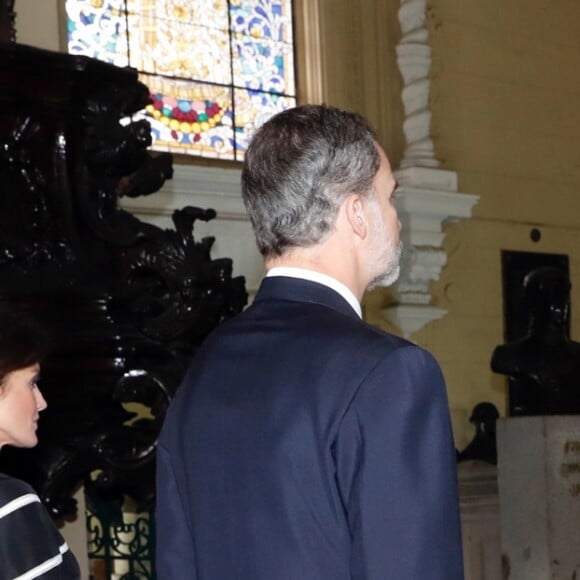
22 342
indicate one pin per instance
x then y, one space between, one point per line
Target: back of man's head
299 167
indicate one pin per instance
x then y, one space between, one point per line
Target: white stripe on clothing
45 566
17 503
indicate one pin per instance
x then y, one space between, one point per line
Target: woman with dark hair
30 543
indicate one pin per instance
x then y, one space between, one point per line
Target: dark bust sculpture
483 445
544 364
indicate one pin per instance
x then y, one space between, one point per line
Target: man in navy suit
305 444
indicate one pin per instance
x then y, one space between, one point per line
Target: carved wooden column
7 17
127 303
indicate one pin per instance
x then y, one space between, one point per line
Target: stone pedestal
539 489
480 520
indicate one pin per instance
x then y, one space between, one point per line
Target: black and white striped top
30 544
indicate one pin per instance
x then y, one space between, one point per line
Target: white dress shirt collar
324 279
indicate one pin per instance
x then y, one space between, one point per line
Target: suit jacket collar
297 290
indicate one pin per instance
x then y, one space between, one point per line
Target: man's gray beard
391 275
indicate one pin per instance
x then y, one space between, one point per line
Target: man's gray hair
300 166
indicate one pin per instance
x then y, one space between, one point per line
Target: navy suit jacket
305 444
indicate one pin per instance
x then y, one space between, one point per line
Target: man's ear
355 214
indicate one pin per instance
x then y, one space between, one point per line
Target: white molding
424 212
412 15
410 318
422 178
427 200
205 187
414 60
424 209
419 267
428 197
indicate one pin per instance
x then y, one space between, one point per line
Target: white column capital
427 200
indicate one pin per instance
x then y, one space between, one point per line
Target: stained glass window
216 69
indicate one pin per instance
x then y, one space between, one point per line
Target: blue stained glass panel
253 109
271 19
98 28
194 55
263 65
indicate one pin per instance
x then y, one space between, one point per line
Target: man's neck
314 261
319 278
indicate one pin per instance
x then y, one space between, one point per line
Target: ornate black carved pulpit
126 303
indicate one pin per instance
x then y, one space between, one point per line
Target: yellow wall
505 101
359 68
506 117
506 114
